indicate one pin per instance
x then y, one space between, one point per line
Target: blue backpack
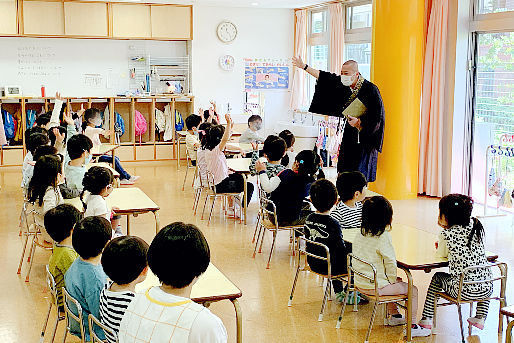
9 126
179 122
31 118
119 124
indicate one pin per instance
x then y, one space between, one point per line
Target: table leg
128 224
409 304
239 320
178 153
157 222
245 196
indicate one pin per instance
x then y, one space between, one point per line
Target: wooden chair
212 194
371 294
71 316
269 222
302 250
52 289
93 321
459 299
509 313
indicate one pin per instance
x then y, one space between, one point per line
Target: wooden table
211 286
415 250
181 138
103 149
132 201
241 166
247 147
508 312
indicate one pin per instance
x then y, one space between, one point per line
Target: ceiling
238 3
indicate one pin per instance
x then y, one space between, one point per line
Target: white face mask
347 80
96 121
88 159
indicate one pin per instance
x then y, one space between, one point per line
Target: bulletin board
266 74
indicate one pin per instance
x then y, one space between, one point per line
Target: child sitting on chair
351 187
290 156
121 289
251 135
166 313
59 223
79 151
274 149
192 140
85 278
34 140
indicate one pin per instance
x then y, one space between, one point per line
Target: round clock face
227 31
227 62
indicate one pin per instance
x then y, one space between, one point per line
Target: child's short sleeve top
216 164
94 134
97 206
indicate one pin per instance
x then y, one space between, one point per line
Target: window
494 6
358 17
318 22
360 52
318 45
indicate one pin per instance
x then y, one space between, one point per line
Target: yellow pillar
396 68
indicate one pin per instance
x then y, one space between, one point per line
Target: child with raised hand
251 135
322 228
351 187
374 245
290 156
35 140
274 149
93 119
192 140
59 223
43 190
150 315
462 241
85 278
79 152
98 181
121 289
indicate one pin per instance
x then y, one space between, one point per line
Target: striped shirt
348 217
112 308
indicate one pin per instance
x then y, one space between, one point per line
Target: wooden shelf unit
150 148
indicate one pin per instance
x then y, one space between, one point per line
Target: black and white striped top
348 217
112 308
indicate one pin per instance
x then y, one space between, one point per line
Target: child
215 141
98 182
192 140
290 156
85 278
462 241
290 187
166 313
351 187
59 223
274 149
93 119
121 290
44 190
374 245
250 135
79 151
322 228
34 141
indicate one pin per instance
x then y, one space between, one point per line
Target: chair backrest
502 277
269 210
72 316
50 283
351 270
202 175
93 322
303 249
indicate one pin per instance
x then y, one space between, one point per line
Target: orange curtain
336 16
432 104
299 85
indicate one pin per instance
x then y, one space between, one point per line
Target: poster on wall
266 74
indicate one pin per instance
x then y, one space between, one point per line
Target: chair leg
340 319
32 251
185 178
508 332
212 208
434 319
371 321
290 303
355 309
23 253
470 315
324 302
55 326
262 240
195 199
256 226
272 246
64 336
42 339
261 228
205 203
459 309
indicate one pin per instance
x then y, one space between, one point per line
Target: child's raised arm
228 132
54 119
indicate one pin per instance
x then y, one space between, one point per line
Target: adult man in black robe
363 109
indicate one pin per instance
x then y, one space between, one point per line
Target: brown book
355 109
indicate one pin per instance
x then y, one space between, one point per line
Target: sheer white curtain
336 50
299 98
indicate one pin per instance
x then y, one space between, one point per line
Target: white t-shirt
27 170
191 141
97 206
157 317
94 134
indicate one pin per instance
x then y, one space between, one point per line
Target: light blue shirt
84 281
74 176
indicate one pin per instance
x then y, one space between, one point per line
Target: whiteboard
75 67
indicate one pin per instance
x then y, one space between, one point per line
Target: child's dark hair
206 116
193 121
202 131
44 150
308 163
35 129
89 114
288 137
45 175
350 182
318 161
456 209
377 215
132 252
60 221
213 137
254 118
96 179
179 242
274 148
35 140
77 145
323 195
43 119
90 236
52 136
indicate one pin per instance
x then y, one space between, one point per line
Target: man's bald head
350 67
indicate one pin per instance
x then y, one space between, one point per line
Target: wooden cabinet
45 18
131 21
86 19
171 21
8 14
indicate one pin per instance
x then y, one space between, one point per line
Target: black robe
330 97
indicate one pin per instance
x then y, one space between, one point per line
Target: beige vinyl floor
266 316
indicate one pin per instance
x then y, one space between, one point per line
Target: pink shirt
216 164
94 134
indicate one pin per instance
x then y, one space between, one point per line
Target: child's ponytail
306 160
477 230
456 209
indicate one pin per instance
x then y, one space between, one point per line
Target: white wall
262 33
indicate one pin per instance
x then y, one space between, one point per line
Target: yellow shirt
61 259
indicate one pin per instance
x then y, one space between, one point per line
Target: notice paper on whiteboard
93 81
266 74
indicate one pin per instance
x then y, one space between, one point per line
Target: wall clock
227 31
227 62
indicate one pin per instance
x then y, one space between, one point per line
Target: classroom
228 171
